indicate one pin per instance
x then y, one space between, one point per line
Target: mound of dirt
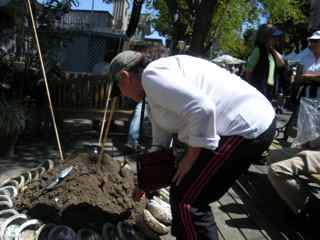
86 197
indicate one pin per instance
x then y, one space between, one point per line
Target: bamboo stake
105 114
101 155
45 79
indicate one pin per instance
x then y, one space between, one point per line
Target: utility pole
92 5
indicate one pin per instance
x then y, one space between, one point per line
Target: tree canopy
201 23
50 36
223 24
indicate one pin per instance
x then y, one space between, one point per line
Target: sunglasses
314 40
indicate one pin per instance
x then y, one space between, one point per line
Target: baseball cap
124 60
315 35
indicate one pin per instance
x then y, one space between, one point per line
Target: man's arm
309 77
280 62
186 164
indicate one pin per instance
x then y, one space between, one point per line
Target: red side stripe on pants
212 168
195 189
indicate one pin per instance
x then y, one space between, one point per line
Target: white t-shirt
309 61
201 101
292 56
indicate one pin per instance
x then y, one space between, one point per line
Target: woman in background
261 64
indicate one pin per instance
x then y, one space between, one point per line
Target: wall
86 20
88 48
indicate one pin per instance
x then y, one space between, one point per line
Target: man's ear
124 74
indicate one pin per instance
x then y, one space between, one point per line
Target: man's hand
184 167
186 164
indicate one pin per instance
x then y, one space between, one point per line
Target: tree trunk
178 28
202 25
314 19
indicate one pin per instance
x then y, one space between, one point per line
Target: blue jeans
134 128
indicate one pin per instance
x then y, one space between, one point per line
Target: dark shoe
133 148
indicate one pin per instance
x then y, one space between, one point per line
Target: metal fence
88 48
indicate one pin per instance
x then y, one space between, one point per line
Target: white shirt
292 56
309 61
201 101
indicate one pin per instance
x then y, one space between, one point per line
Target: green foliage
163 21
19 65
50 36
283 10
295 25
291 16
230 16
227 24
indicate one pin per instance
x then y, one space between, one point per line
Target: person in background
310 59
287 165
285 171
307 80
261 64
293 52
224 121
282 80
133 141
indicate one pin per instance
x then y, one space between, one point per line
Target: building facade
93 39
120 12
87 20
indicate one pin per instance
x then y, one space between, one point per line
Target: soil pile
86 197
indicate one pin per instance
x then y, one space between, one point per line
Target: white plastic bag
308 125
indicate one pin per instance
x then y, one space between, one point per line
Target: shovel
59 178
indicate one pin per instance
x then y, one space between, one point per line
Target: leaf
229 19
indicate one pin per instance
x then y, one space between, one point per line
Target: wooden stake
101 156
